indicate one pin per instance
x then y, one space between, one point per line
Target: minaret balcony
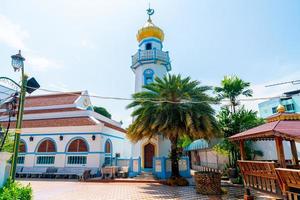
151 56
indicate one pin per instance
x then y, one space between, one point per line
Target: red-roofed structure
279 127
52 99
59 122
265 175
57 110
67 121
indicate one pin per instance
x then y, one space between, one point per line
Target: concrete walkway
73 190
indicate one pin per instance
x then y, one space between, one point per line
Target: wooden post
242 150
280 151
294 152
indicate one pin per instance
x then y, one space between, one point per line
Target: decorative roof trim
283 116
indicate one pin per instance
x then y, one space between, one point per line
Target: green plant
231 88
102 111
167 107
9 143
232 123
15 191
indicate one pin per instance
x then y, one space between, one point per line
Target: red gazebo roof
285 125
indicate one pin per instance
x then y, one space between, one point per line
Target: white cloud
58 86
42 64
259 90
12 34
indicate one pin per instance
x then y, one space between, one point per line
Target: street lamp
17 63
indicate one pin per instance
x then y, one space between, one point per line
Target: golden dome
280 109
150 30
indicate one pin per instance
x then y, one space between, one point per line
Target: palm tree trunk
174 158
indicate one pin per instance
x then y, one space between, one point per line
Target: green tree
174 107
6 141
102 111
232 123
9 143
231 88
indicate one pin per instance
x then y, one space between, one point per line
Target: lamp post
17 63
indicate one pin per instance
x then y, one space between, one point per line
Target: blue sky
87 45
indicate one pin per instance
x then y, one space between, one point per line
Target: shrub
178 181
14 190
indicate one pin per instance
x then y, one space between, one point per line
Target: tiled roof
58 104
113 127
286 129
52 99
58 122
51 110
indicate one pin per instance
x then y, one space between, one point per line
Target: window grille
45 160
76 160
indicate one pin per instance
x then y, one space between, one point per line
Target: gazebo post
295 160
280 151
242 150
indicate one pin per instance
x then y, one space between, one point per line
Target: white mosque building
62 130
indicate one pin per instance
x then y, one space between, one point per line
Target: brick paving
65 190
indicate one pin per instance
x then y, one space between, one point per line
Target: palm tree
231 88
174 107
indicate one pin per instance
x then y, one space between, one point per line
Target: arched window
78 145
107 147
148 76
148 46
22 147
47 146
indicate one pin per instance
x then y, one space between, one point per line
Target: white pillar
4 167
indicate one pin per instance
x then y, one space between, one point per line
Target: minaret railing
149 55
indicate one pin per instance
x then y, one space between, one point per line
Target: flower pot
208 183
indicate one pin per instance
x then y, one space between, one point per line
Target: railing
206 169
133 164
260 175
162 167
154 54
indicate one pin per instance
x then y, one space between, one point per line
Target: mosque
150 61
62 130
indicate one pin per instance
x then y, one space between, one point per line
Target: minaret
150 61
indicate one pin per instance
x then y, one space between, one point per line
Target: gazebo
263 175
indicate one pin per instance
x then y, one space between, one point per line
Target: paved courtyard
64 190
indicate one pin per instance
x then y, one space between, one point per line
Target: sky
73 45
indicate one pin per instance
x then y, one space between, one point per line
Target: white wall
164 146
269 149
96 148
159 71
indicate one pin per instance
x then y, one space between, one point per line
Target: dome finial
150 12
280 109
150 29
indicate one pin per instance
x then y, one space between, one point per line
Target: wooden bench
289 182
260 175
